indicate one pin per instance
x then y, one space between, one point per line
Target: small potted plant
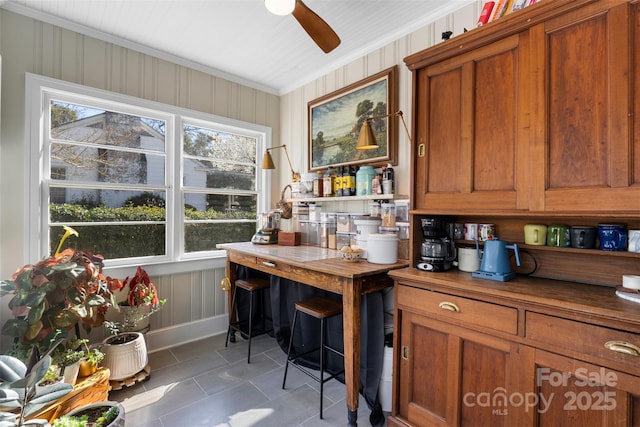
91 358
100 414
141 302
68 360
125 350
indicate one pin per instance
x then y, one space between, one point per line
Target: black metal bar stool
321 308
252 285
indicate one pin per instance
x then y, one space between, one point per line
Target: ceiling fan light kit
280 7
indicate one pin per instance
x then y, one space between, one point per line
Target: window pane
96 205
215 159
218 174
219 206
79 123
92 164
205 236
115 241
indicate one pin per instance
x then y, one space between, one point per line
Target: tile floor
205 384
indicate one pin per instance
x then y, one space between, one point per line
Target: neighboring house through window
140 181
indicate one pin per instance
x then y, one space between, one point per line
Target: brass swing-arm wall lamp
367 139
267 162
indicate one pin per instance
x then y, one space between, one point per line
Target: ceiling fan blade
316 27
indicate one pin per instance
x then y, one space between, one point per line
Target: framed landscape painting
335 121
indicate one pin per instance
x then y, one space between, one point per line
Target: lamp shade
366 140
267 161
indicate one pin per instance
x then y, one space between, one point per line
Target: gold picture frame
335 120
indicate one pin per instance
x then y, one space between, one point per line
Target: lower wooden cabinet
455 365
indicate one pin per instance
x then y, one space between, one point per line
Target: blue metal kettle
495 260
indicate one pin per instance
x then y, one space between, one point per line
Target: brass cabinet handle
405 352
623 347
421 150
446 305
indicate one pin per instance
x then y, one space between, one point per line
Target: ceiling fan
316 27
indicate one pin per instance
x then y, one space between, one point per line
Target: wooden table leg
351 302
232 275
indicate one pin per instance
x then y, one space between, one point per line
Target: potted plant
60 293
100 414
141 302
126 350
68 361
91 358
18 391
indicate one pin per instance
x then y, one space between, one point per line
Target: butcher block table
324 269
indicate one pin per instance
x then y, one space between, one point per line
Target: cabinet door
570 392
471 117
583 144
449 375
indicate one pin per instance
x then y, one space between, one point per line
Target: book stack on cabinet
492 10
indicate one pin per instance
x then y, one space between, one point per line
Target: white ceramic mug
471 231
468 260
634 241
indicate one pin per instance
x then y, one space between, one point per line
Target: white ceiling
239 39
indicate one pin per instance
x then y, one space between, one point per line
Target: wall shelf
348 198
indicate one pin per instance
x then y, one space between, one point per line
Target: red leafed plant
142 290
142 301
56 294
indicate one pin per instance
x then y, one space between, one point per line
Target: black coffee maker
438 250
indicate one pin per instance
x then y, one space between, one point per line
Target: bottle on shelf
351 183
327 188
388 180
318 185
337 182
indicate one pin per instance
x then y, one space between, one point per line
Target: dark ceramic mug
583 237
613 237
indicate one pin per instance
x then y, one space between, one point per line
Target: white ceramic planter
124 359
118 422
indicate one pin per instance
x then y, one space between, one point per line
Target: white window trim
36 89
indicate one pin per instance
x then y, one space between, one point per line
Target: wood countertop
576 300
312 258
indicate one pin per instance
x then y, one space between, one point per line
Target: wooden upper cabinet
468 118
533 113
585 126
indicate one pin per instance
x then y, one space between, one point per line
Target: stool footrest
314 376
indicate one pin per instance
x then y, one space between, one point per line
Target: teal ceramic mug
558 235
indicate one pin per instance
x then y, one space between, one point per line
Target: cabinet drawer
241 259
267 265
610 347
457 309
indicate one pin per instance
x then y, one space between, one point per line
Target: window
141 182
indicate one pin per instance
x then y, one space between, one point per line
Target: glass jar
388 214
364 177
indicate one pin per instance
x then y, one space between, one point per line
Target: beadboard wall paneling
196 304
294 104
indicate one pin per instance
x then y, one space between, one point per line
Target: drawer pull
269 264
405 352
623 347
446 305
